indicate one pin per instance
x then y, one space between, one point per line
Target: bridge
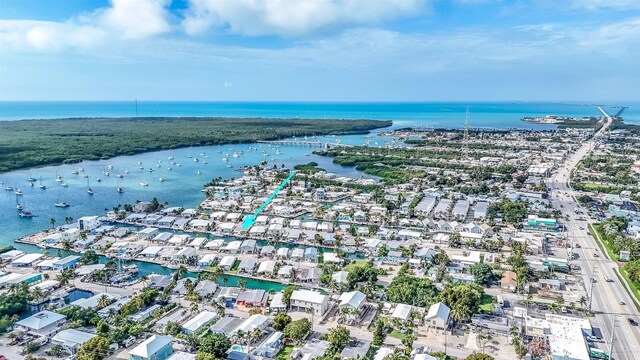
316 144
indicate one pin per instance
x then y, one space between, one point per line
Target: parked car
578 246
632 322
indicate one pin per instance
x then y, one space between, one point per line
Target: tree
286 296
205 356
102 328
407 341
478 356
483 273
53 222
215 344
379 333
397 355
55 350
242 283
89 257
172 328
462 299
104 301
338 338
280 321
298 330
96 348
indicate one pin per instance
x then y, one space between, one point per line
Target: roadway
609 300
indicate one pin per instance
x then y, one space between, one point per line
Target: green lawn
285 353
354 264
397 334
486 304
632 285
607 247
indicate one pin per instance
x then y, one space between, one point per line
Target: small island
31 143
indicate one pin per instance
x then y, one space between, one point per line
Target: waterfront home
71 339
67 262
168 253
198 322
262 220
267 267
147 233
93 301
198 242
166 221
12 278
180 223
311 350
267 250
257 230
88 223
28 260
340 277
156 347
394 258
283 253
274 230
206 288
47 264
226 228
199 224
293 235
70 235
232 247
331 258
44 323
253 298
270 347
181 287
226 263
47 286
311 254
214 244
85 270
178 239
162 238
285 272
206 260
248 246
306 299
297 254
295 224
309 275
248 266
11 255
227 326
160 282
152 219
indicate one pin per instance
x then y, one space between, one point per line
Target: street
606 296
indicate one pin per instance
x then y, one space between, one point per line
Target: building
438 316
270 346
66 263
156 347
307 299
198 322
402 312
44 323
27 260
71 339
353 299
88 223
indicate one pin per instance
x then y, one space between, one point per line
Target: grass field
30 143
285 353
607 247
486 304
354 264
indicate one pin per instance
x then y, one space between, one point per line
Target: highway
610 301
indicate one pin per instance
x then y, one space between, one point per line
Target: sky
320 50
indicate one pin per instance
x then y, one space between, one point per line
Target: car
621 303
632 322
595 255
581 227
577 246
608 279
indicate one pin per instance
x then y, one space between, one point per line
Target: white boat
9 188
64 184
195 160
126 171
58 178
105 173
62 204
169 168
19 192
85 176
90 191
225 159
142 183
110 166
170 158
178 165
119 176
25 214
99 180
161 179
75 172
229 165
199 172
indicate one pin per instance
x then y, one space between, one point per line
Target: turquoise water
183 184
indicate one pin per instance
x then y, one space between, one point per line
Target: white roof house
71 339
266 267
152 346
402 312
438 315
353 299
26 260
42 323
199 321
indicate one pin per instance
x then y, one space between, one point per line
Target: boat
99 180
119 176
150 170
195 160
110 166
58 178
170 158
199 172
19 192
32 179
25 214
120 190
161 179
64 184
18 205
143 183
42 186
62 204
9 188
126 171
225 159
85 176
178 165
105 173
89 189
169 168
229 165
75 172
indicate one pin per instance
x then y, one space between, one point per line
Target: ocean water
183 183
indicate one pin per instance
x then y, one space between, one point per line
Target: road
608 296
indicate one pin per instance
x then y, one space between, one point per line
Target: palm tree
583 301
242 283
195 308
103 301
63 278
53 222
255 335
36 293
144 279
68 219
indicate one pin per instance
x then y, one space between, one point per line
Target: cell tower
465 146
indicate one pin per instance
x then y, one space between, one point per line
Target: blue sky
320 50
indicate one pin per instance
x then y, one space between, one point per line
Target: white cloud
607 4
136 19
124 19
292 17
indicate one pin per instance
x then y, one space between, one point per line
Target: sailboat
120 190
126 171
42 186
9 188
64 184
161 179
25 214
61 204
19 192
18 205
89 189
58 177
31 179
